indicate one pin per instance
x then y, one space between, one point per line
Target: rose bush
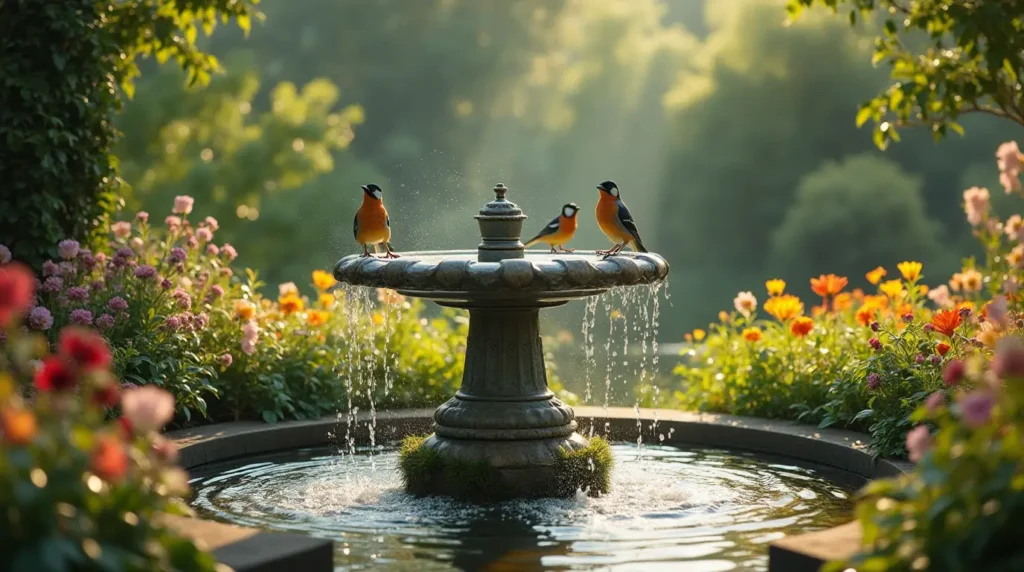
81 489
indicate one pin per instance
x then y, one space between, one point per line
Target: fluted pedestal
504 416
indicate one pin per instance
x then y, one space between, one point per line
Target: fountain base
486 470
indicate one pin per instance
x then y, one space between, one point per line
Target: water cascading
504 434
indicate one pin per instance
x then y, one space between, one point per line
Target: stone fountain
504 433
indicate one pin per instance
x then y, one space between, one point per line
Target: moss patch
425 471
588 469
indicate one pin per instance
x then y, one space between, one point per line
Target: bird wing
355 226
551 228
627 222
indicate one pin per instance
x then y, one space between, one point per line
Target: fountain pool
669 508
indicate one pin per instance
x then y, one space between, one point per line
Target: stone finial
501 226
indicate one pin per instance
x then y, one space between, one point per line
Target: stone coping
248 550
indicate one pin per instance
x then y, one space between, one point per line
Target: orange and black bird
559 231
372 226
615 221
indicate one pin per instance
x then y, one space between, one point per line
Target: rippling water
700 510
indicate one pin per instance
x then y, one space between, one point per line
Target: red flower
107 394
943 348
124 426
109 459
875 343
953 373
946 322
17 286
84 348
55 375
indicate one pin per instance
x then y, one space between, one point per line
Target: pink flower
178 254
77 293
226 360
976 204
212 249
940 295
68 249
745 303
212 223
953 373
52 285
287 289
248 347
919 440
105 321
874 380
1010 286
216 291
1008 159
935 401
50 268
183 204
40 318
164 450
137 243
204 234
173 222
192 242
147 408
183 299
1008 362
145 272
121 229
81 317
976 408
5 254
142 216
997 311
250 330
117 304
229 252
172 323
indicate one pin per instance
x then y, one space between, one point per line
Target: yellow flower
910 270
988 334
326 300
784 307
775 286
317 317
922 290
699 334
290 304
752 334
244 310
323 280
616 315
876 275
723 316
378 318
843 301
892 288
1015 256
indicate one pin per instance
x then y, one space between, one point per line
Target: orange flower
291 304
801 326
688 337
942 348
699 334
828 284
18 425
946 322
785 307
244 309
109 459
752 334
775 286
875 301
876 275
317 317
910 270
892 288
866 315
323 280
922 290
818 311
326 300
842 302
858 294
723 316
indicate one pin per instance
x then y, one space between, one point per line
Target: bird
615 221
372 226
559 231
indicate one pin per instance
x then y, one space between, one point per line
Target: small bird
559 231
615 221
372 226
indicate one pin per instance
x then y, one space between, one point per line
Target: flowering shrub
961 506
865 360
79 491
166 299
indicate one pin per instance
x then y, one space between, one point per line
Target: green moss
588 469
425 471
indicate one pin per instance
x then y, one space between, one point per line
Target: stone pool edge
250 550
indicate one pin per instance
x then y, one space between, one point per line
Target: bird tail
638 244
531 242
